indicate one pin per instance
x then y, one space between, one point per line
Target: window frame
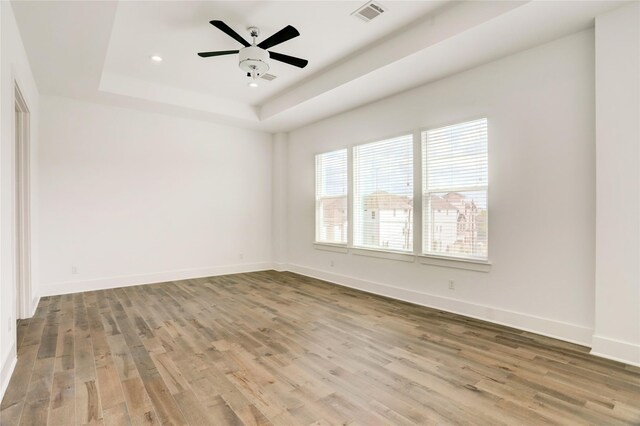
379 251
437 258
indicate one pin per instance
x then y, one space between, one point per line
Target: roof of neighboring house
334 210
453 196
450 201
439 203
337 202
383 200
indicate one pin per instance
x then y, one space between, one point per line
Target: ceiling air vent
268 77
369 11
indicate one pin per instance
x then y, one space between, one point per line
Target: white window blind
383 194
455 182
331 197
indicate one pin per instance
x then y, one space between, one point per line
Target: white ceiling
175 32
100 51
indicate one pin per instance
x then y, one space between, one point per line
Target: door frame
22 199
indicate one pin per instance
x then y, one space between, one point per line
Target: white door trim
22 197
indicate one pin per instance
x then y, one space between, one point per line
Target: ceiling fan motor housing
253 60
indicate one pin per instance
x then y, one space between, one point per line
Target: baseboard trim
280 267
54 289
557 329
34 305
616 350
8 365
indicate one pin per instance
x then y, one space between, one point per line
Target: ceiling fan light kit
253 60
253 57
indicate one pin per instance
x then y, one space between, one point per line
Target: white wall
617 331
130 197
14 68
540 106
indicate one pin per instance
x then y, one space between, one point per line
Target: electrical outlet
241 255
74 270
452 285
332 263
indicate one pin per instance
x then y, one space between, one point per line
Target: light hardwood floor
279 348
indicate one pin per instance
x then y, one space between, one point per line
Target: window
454 199
454 213
331 197
382 183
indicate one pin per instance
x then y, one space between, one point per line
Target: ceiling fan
253 57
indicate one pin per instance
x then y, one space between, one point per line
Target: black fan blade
217 53
228 31
287 33
291 60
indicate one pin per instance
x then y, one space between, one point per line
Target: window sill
383 254
336 248
445 262
449 262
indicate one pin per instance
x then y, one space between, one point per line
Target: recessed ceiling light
253 84
156 58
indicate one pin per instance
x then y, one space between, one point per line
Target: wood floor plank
87 399
164 404
278 348
138 402
62 409
37 399
14 397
